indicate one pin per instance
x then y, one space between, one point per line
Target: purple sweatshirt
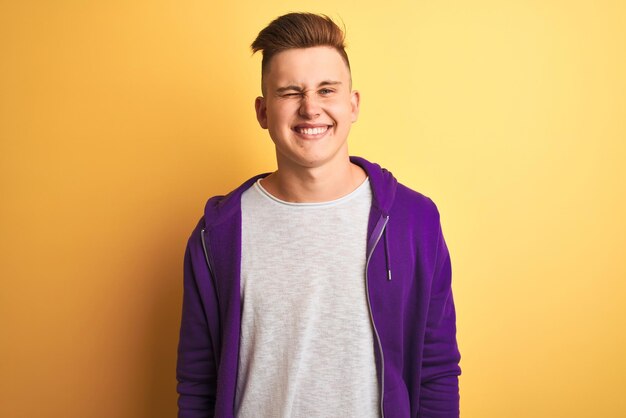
408 278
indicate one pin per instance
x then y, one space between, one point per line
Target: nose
309 107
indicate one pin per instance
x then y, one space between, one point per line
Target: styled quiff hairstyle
299 30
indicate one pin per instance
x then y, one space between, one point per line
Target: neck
316 184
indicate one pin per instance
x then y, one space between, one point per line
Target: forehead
303 65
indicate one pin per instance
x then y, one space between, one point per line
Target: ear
355 101
261 111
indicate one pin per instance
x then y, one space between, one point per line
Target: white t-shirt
307 345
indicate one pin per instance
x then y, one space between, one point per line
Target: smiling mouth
317 130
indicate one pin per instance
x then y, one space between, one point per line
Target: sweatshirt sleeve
195 370
440 367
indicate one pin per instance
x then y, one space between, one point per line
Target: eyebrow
293 87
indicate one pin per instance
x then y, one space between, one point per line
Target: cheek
280 114
340 112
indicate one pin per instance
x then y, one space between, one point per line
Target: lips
311 130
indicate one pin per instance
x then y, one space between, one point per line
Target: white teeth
313 131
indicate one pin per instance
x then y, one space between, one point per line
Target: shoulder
219 209
415 218
419 207
222 208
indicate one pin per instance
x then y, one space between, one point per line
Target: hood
382 182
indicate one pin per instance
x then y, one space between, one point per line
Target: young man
323 288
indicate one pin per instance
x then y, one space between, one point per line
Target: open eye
325 92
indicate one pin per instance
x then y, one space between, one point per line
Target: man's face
308 106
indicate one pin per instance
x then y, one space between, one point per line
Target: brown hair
299 30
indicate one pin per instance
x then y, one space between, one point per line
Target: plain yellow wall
119 118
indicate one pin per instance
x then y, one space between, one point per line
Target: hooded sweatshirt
408 280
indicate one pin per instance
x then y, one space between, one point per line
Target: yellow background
119 118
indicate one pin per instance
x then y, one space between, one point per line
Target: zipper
206 254
213 280
369 305
210 266
212 274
